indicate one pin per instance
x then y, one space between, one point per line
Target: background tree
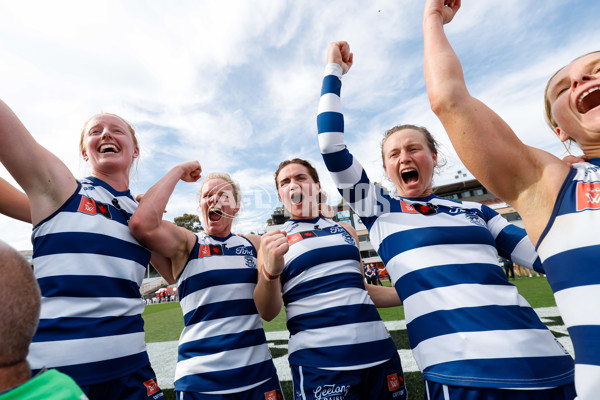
191 222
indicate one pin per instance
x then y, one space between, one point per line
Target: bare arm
46 180
13 202
267 294
384 296
488 147
163 237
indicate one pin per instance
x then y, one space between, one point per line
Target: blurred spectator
509 268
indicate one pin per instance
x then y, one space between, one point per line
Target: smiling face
573 102
298 191
108 143
219 206
409 162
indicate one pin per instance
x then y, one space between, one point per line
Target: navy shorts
438 391
382 382
140 385
270 390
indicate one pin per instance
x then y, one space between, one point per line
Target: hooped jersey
570 250
90 268
467 325
223 347
332 321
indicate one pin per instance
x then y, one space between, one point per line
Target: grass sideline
164 322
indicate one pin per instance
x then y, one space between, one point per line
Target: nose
404 157
106 134
580 79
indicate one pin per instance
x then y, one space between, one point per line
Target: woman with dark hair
473 336
338 342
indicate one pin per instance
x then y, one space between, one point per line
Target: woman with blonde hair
87 263
223 350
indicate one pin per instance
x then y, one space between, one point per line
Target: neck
312 214
118 181
14 375
591 151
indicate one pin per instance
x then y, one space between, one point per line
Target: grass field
164 322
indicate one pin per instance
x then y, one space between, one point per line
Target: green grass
164 322
536 291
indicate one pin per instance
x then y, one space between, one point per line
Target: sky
236 84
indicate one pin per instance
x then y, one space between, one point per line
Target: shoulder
253 239
348 227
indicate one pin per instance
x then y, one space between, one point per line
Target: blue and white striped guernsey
570 251
332 321
467 325
223 348
90 268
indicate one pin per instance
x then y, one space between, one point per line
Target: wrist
268 275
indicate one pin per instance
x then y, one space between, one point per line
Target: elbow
441 103
139 227
267 317
267 314
447 100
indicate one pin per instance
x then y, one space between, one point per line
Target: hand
571 159
339 53
190 171
447 9
274 245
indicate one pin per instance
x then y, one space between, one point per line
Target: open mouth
215 215
297 198
588 100
108 148
409 175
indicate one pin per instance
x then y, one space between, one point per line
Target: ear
434 156
136 152
562 135
84 155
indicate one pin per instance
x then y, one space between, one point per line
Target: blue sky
235 84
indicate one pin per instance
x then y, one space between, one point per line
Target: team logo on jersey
425 209
394 382
250 261
210 250
296 237
93 207
274 395
588 195
407 208
151 387
474 218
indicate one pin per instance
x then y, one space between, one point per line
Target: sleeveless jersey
332 321
90 268
223 347
569 248
467 325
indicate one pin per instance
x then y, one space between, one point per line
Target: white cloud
235 84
